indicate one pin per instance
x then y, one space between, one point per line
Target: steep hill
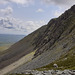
19 49
56 40
50 42
66 61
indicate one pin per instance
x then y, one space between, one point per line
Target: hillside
57 39
50 42
66 61
19 49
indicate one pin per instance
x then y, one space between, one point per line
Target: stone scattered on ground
49 72
55 66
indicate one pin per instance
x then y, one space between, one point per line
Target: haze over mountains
47 43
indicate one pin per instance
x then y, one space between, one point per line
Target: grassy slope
18 63
66 61
19 49
4 47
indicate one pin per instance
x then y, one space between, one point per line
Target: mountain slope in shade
57 39
50 42
19 49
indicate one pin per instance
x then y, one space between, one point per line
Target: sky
25 16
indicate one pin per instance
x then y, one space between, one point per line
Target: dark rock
55 28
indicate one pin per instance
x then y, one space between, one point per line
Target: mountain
48 43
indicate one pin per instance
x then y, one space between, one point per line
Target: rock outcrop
55 28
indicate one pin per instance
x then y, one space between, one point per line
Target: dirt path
21 61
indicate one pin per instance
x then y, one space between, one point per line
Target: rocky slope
57 39
50 42
49 72
55 30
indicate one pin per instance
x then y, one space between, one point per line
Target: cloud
6 11
3 1
40 10
22 2
60 5
60 2
19 25
58 12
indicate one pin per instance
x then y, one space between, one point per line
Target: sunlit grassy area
3 48
67 61
17 64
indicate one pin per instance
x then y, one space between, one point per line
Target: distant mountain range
48 44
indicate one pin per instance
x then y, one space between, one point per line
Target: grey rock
49 72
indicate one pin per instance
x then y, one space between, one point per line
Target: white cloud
40 10
19 25
61 5
22 2
58 12
3 1
6 11
60 2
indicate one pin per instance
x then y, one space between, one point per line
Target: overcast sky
25 16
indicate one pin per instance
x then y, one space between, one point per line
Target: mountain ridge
61 43
57 23
50 42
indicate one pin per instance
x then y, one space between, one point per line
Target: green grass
4 47
66 61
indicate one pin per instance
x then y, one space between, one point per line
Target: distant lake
9 39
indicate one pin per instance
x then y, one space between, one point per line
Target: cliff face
50 42
55 29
